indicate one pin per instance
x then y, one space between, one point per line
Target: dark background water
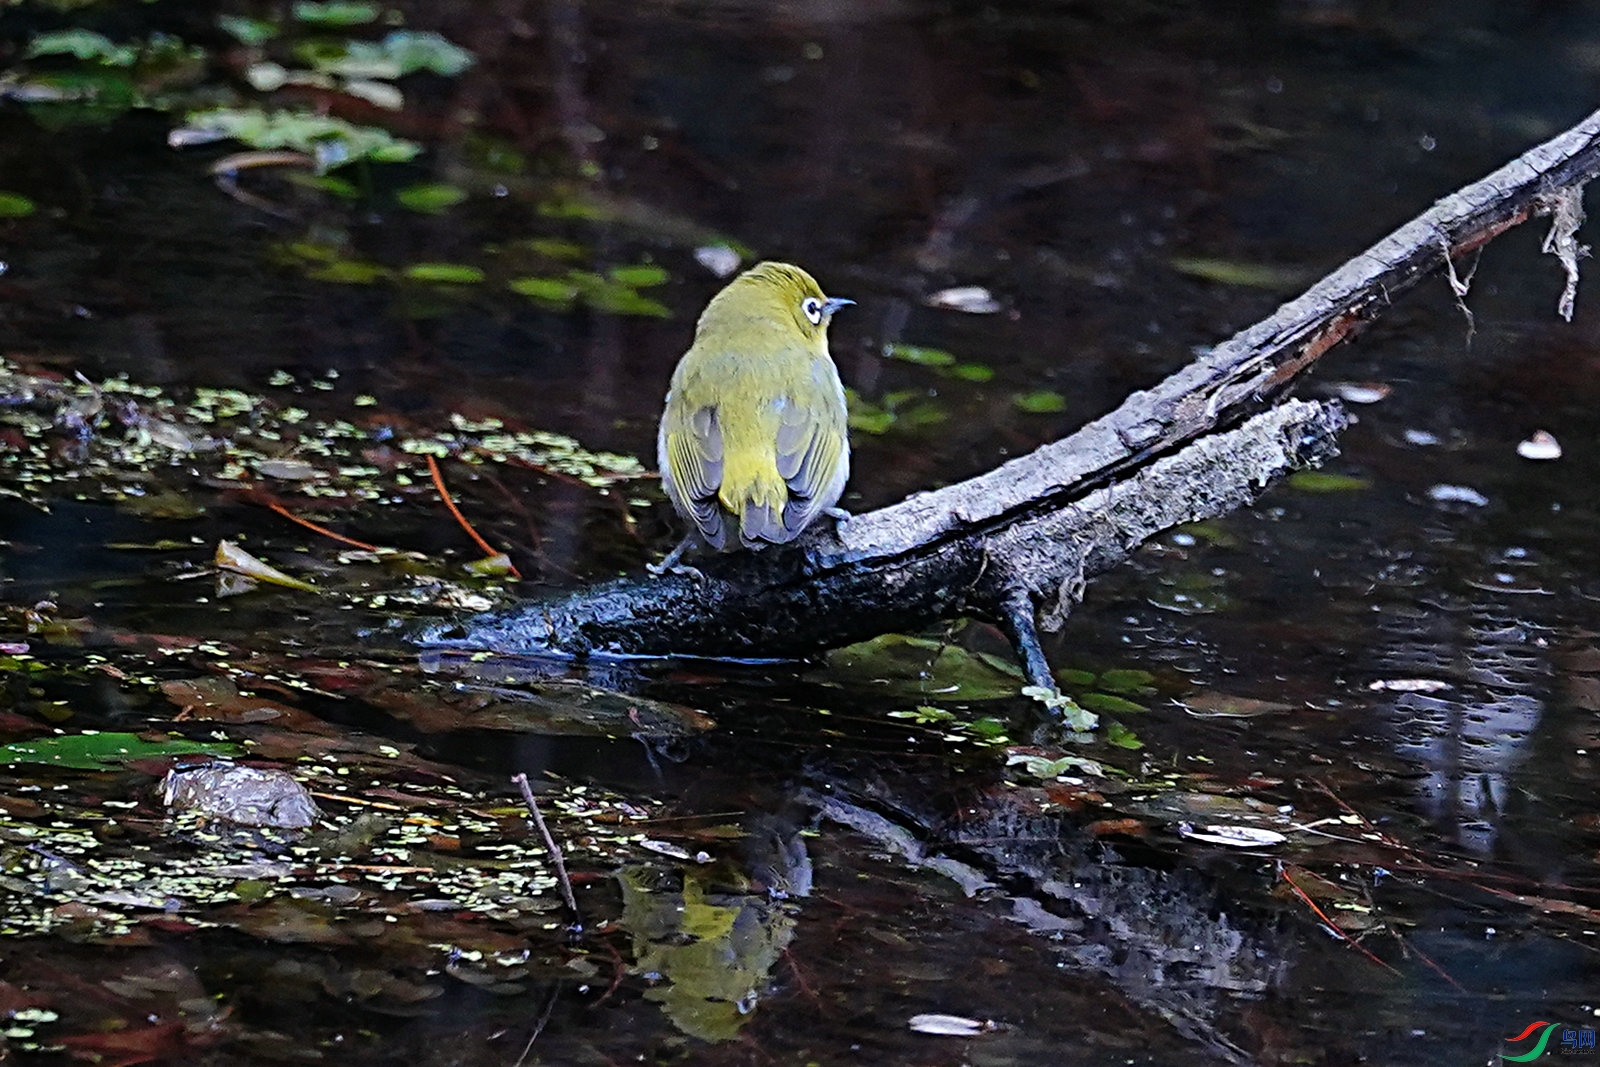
1064 156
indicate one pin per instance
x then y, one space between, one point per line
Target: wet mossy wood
1016 544
824 594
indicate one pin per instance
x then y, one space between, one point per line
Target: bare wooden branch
1027 535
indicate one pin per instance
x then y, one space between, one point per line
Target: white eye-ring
812 307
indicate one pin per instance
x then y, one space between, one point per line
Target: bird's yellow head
771 296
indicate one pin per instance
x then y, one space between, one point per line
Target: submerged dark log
795 604
1019 541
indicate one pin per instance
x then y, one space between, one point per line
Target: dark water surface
1085 162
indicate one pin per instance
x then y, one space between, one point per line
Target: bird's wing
694 462
813 451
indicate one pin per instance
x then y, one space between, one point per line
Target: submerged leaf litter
96 869
110 440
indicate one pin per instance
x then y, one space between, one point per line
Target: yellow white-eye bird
753 444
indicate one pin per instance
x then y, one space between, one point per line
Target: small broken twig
273 505
521 781
450 504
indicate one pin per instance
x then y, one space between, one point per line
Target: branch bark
1016 544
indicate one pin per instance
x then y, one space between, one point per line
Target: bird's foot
670 565
683 570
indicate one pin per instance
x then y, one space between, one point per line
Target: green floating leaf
328 183
866 418
84 44
1209 531
430 198
642 276
397 55
349 272
1043 767
1327 482
427 51
988 729
921 356
15 206
918 666
972 372
230 557
1062 707
1236 272
333 142
607 295
447 273
1108 703
556 248
337 12
1077 679
96 751
1042 402
549 290
1121 736
247 31
1125 680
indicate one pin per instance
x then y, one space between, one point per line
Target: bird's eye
812 307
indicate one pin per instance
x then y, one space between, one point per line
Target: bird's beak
832 304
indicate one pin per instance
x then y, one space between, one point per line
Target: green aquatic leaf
1077 679
988 729
549 290
96 751
83 44
1238 273
426 51
870 419
446 273
972 372
1040 402
1121 736
920 355
15 206
247 31
556 248
1326 482
348 272
642 276
606 295
328 183
333 142
626 302
1108 703
1062 707
430 198
919 666
1125 680
337 12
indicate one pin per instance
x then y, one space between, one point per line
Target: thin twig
340 798
521 781
273 505
1301 893
1423 956
449 503
538 1028
618 970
